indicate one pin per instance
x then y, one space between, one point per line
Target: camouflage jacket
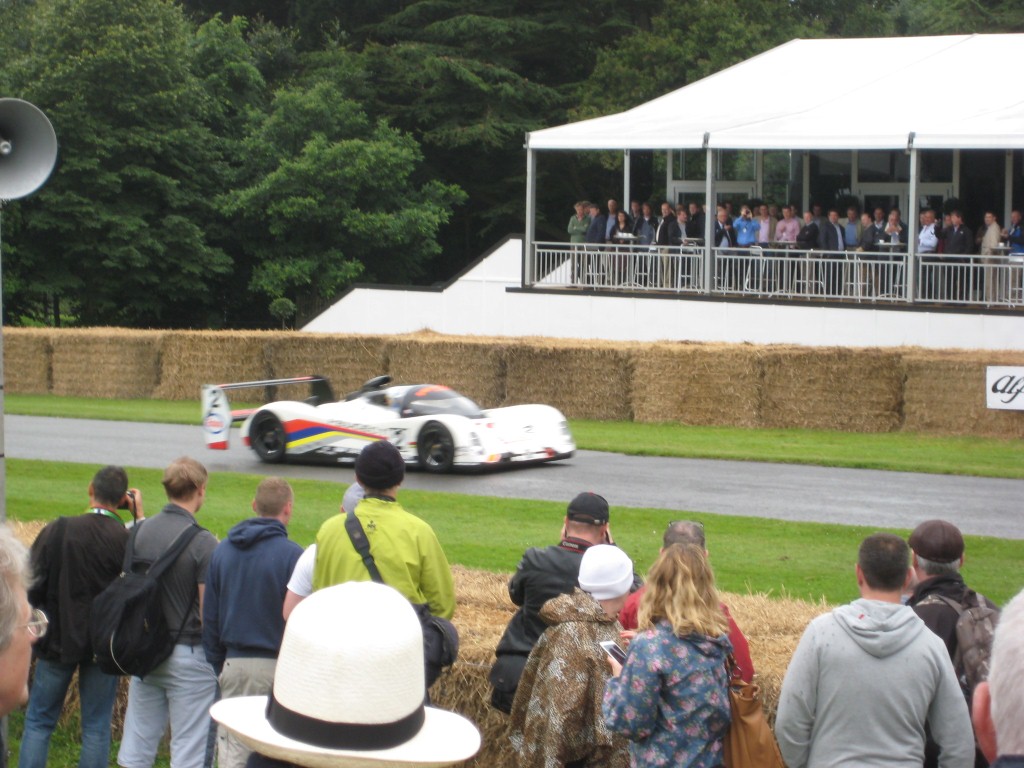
556 716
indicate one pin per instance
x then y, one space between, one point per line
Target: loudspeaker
28 148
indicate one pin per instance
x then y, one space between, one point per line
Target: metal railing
972 280
781 272
620 267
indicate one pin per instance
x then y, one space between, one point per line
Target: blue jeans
97 691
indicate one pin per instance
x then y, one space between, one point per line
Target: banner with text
1004 388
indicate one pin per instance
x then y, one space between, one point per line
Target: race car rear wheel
435 447
267 438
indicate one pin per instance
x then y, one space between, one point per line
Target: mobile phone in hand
612 649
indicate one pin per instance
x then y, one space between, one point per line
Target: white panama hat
348 689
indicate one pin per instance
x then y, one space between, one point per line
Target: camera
129 502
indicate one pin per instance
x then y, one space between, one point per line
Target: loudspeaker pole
28 152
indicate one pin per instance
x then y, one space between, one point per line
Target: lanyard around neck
107 512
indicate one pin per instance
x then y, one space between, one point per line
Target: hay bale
944 393
115 363
193 358
856 390
773 626
347 361
473 366
27 360
697 384
584 380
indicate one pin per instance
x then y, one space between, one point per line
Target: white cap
606 572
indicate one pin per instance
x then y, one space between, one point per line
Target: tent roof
949 92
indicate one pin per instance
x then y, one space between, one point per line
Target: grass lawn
805 560
986 457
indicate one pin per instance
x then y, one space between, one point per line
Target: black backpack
127 627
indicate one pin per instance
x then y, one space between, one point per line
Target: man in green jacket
404 547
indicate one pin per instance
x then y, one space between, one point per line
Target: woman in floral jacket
671 698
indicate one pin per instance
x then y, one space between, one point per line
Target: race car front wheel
435 447
267 438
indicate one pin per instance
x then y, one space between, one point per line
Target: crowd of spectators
878 682
960 265
763 225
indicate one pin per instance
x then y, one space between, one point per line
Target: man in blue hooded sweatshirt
245 587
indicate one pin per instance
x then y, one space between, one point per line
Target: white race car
431 425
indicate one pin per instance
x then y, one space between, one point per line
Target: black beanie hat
380 466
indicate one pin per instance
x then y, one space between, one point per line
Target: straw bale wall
106 362
347 361
584 380
741 385
833 388
942 394
194 358
700 384
473 366
27 359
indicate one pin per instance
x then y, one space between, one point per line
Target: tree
689 40
958 17
329 197
118 232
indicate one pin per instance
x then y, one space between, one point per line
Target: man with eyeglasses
74 559
544 573
20 625
692 532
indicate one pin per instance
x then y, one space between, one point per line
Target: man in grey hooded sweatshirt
867 676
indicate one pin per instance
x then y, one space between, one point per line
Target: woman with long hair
671 698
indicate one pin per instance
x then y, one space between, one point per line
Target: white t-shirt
301 582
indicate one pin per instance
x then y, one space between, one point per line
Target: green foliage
329 196
688 41
183 198
119 228
958 17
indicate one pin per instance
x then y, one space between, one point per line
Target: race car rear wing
217 414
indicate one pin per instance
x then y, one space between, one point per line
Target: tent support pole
626 172
1008 188
912 214
529 267
709 216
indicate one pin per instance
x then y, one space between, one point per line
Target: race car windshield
432 400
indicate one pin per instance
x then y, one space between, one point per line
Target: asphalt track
985 506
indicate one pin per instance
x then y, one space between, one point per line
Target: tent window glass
689 164
783 176
936 165
736 165
883 166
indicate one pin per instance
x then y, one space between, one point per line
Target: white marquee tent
953 92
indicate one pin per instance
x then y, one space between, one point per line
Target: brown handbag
749 742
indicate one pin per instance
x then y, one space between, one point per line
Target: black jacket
595 232
724 237
829 239
958 241
808 236
937 616
695 227
89 558
667 232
